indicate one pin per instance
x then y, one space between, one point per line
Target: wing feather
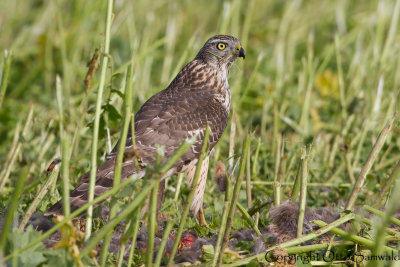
177 113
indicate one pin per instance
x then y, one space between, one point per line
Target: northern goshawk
197 96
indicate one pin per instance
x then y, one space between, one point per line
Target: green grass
319 76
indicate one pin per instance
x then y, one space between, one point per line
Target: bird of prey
197 96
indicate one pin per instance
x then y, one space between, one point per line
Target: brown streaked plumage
198 95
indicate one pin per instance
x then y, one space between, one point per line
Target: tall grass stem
93 170
235 196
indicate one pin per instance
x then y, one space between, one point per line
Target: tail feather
104 182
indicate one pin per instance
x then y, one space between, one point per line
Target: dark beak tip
242 53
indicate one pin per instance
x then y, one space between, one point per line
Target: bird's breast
224 98
227 96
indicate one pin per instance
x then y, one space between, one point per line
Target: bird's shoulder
196 89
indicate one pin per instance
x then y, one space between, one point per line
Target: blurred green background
321 73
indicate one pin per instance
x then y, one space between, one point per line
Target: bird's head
221 51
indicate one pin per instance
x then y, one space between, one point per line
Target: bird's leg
197 202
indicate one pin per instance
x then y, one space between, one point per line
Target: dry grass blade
368 164
93 66
32 208
387 185
392 207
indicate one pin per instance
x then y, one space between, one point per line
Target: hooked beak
241 53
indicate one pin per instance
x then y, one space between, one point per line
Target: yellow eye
221 46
